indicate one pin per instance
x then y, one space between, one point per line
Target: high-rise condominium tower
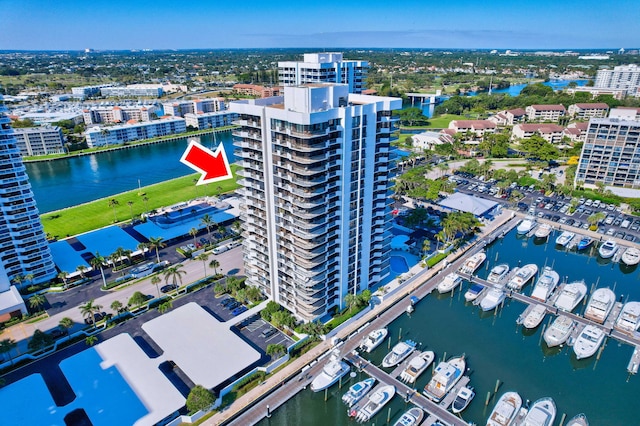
316 213
24 250
324 68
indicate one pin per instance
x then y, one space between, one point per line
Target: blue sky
161 24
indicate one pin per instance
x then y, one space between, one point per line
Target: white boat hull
588 342
559 331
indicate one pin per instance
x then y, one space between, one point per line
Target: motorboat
463 399
541 413
522 277
578 420
473 263
629 318
445 377
532 316
571 295
543 230
565 238
600 305
631 256
559 331
357 391
472 293
450 282
493 298
374 403
333 371
584 243
505 410
398 353
416 366
588 341
526 225
413 417
373 339
608 249
545 284
498 273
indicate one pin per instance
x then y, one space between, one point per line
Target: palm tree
145 200
174 274
275 349
215 265
155 280
165 306
194 232
90 340
595 218
204 257
81 269
236 226
97 262
116 306
18 280
426 245
66 324
88 309
208 223
130 204
351 300
6 346
114 203
143 247
156 244
63 276
36 302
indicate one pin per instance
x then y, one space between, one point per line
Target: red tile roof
517 112
548 107
476 124
595 105
542 128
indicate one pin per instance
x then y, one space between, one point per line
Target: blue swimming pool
399 265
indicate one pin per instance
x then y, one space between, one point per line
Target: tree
236 226
165 306
155 280
208 223
199 399
254 294
18 280
97 262
6 346
143 247
145 200
137 299
351 300
269 310
426 245
88 309
282 318
39 340
174 274
66 324
594 219
130 204
214 264
90 340
116 306
194 232
203 257
81 269
156 244
114 203
413 117
274 350
36 302
63 276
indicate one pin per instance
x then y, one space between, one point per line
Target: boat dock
634 361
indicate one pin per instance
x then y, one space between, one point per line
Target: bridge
426 98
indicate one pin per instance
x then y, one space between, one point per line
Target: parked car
239 310
268 332
169 287
98 316
228 301
231 306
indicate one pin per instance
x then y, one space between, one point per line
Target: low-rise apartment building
196 106
210 120
584 111
508 117
147 90
119 114
257 90
114 135
550 132
576 131
545 112
39 140
478 128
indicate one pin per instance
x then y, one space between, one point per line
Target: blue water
68 182
398 265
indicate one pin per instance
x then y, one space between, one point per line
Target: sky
203 24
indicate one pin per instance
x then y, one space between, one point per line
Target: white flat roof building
621 77
210 120
39 140
102 136
150 90
196 106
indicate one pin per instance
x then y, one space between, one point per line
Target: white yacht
543 230
532 316
588 341
473 292
600 305
450 282
631 256
374 403
357 391
398 353
413 417
331 373
559 331
564 238
571 295
493 298
541 413
373 339
545 284
629 318
522 277
463 398
473 263
416 366
498 273
506 410
445 377
526 225
578 420
608 249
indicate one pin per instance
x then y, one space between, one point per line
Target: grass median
97 214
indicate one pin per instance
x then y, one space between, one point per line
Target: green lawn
442 121
97 214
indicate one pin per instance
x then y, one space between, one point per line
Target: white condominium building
622 77
87 91
114 135
39 140
316 167
611 153
119 114
181 108
324 68
150 90
210 120
24 250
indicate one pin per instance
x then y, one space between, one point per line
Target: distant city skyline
160 24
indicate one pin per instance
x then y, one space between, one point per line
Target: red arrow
213 165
